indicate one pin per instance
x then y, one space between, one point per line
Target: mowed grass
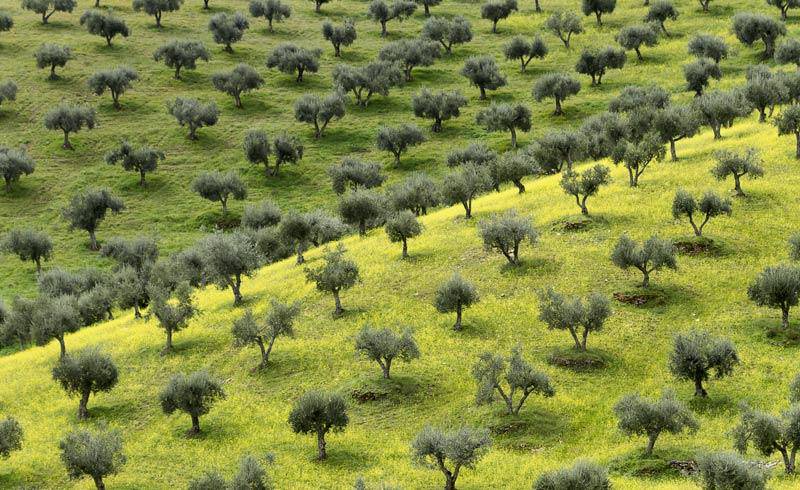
706 292
168 210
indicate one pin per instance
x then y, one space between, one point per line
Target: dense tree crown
583 474
508 377
654 254
14 164
496 10
227 29
696 354
104 24
87 210
651 418
193 394
289 58
96 454
46 8
564 24
319 412
341 35
156 8
116 81
450 451
447 32
271 10
181 54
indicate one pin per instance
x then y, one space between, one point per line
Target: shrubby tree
257 148
289 58
440 106
287 148
695 354
353 174
506 232
383 12
410 53
602 132
637 156
788 52
447 32
777 287
708 46
598 8
14 164
525 50
336 274
661 11
401 226
129 290
53 318
750 28
243 78
595 62
570 313
142 160
564 24
764 91
633 98
69 118
296 230
173 310
227 29
737 165
556 86
156 8
794 254
361 208
263 333
46 8
783 6
417 193
264 214
492 369
271 10
496 10
87 210
451 451
709 206
475 153
640 416
220 187
28 244
319 412
427 4
769 434
583 474
319 111
84 373
454 295
343 35
483 72
384 346
8 91
324 227
674 123
11 435
699 73
104 24
116 81
193 114
464 184
194 395
586 184
723 470
505 117
397 139
653 255
6 22
181 54
718 109
788 122
93 454
52 56
376 77
227 258
635 36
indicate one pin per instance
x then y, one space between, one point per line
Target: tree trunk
136 312
672 154
449 482
383 28
457 325
651 441
264 354
83 412
405 248
158 19
224 203
785 316
599 20
321 453
142 182
520 186
336 50
38 261
168 344
300 258
236 286
178 72
494 26
62 345
538 7
386 367
237 99
269 24
737 185
513 138
205 4
93 241
338 302
318 7
195 425
427 10
558 111
762 114
483 93
362 227
98 483
698 387
638 54
66 145
646 278
797 145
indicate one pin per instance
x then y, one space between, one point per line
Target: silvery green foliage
450 451
709 206
696 354
584 475
319 412
726 471
571 313
385 346
193 114
181 54
454 295
335 274
342 35
96 454
506 232
509 377
194 395
654 254
447 32
643 417
483 72
116 81
289 58
777 287
227 29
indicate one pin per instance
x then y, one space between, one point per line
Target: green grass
707 291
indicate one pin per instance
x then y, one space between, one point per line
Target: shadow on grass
576 360
655 466
533 428
715 405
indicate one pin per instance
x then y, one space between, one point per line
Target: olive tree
8 91
447 32
295 229
788 52
709 206
440 106
104 24
181 54
633 37
84 373
96 454
319 111
289 58
417 193
583 474
227 258
263 214
777 287
14 164
579 317
382 12
271 10
28 244
564 24
50 55
410 53
463 185
699 73
788 122
287 148
361 208
193 395
353 174
506 232
661 11
653 255
427 4
519 376
318 5
496 10
505 117
319 412
243 78
173 310
53 318
402 226
725 470
11 435
718 108
556 86
450 451
341 35
750 28
46 8
525 50
651 418
384 346
398 139
337 273
6 22
376 77
598 8
248 330
636 156
257 148
483 72
708 46
783 6
116 81
594 62
769 433
220 187
142 160
193 114
512 167
586 184
737 165
674 123
454 295
69 118
764 90
228 29
156 8
87 210
696 354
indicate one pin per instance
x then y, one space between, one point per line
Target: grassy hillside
706 292
169 210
